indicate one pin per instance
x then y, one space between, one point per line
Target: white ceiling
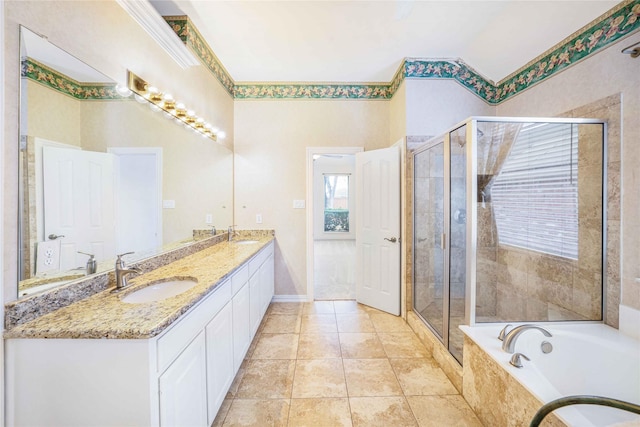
365 41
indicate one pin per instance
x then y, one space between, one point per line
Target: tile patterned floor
338 363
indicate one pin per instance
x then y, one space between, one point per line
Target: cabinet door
241 326
219 337
183 388
256 304
266 283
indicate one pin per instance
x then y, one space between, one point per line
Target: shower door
440 237
428 246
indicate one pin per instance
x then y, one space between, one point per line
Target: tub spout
509 342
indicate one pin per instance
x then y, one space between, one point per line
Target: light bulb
222 135
140 99
123 90
154 107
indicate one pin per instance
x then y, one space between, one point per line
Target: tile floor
338 363
334 265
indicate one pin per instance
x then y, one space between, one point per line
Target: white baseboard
629 321
289 298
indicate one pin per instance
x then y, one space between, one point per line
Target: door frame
309 194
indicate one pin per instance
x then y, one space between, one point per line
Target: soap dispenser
92 265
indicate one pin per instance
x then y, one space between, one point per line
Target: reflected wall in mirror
103 174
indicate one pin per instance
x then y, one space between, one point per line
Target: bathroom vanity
102 361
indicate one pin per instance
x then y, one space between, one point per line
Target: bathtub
592 359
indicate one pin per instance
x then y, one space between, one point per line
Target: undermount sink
160 291
245 242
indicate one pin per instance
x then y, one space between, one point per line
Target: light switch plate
298 204
258 218
208 219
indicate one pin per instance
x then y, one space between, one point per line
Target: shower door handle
392 240
443 241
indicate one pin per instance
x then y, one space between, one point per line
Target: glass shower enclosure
508 224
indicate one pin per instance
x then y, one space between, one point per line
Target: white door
79 204
378 229
138 174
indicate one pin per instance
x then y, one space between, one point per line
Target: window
336 203
535 194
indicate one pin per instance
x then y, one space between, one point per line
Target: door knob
55 236
392 240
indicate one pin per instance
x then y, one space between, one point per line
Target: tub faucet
122 271
509 342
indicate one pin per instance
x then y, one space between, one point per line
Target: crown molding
148 18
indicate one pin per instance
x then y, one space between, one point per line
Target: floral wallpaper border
53 79
619 22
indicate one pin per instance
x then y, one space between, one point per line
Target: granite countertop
104 315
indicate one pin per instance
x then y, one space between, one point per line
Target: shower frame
471 205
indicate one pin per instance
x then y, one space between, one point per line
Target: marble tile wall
496 397
610 110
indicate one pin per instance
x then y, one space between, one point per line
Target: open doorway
331 249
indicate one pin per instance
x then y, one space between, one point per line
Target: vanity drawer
239 278
180 334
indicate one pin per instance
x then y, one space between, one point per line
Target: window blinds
535 195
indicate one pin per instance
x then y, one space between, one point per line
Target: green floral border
619 22
53 79
450 69
315 91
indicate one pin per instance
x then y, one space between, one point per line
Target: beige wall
606 73
398 114
270 166
433 106
197 173
52 115
103 35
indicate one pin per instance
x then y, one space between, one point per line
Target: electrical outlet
169 204
258 218
208 219
298 204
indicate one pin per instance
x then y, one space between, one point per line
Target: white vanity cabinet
179 377
183 387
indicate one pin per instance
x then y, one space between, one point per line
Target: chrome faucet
122 272
231 232
509 342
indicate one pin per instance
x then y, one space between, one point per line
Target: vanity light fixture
165 102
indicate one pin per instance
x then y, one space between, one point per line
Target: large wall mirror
103 174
